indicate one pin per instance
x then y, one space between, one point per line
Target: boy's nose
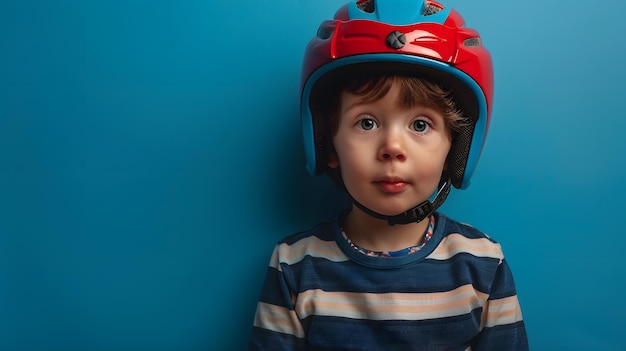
392 148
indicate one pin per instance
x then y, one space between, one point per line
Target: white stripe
278 319
389 306
311 246
454 244
503 311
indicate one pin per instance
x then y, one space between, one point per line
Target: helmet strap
415 214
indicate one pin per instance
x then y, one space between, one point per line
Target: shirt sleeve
502 322
276 325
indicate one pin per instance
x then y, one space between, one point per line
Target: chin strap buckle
415 214
423 210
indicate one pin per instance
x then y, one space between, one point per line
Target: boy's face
390 159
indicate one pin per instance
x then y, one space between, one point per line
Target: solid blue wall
150 157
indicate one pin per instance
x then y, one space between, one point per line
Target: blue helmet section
394 12
480 130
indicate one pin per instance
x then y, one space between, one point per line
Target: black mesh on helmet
459 152
366 5
321 138
430 9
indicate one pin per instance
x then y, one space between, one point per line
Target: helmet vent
472 43
323 33
430 9
366 5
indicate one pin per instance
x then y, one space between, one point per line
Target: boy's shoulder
313 244
462 237
321 231
465 229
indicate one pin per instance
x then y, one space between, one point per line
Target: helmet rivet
396 40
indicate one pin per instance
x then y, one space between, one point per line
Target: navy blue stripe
508 337
428 276
453 333
275 291
504 286
263 339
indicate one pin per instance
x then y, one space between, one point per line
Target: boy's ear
333 161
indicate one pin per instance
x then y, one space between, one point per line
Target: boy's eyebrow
359 101
353 105
363 101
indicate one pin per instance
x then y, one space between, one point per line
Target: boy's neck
377 235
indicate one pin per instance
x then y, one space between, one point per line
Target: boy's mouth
392 185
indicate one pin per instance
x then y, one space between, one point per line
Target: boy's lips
392 185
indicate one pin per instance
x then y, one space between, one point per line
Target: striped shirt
456 293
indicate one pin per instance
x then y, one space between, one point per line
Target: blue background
150 157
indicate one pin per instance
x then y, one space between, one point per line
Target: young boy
396 100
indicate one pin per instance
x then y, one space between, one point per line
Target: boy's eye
420 126
367 124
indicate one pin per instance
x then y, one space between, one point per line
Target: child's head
373 87
424 54
389 140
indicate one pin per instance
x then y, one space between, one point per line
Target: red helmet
416 37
